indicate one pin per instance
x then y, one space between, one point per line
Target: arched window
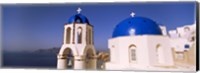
186 29
132 53
158 53
68 35
79 35
78 20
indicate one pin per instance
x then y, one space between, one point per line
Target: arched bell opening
70 58
65 59
90 59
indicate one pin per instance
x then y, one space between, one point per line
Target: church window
78 21
79 35
132 52
133 56
158 53
186 29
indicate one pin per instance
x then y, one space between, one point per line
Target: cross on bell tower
79 10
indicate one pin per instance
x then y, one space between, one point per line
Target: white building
78 47
183 41
138 43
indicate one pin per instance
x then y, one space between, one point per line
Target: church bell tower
77 51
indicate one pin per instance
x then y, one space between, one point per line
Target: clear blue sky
28 27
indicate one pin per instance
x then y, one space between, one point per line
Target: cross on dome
79 10
132 14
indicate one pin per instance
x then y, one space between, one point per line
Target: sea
32 60
28 60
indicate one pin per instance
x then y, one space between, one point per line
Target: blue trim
187 46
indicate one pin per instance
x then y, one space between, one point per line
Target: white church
78 48
137 43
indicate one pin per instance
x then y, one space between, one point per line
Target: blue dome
78 18
139 26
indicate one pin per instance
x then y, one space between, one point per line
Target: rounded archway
90 59
159 54
69 58
65 59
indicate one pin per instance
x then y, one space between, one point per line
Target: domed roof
136 26
78 18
